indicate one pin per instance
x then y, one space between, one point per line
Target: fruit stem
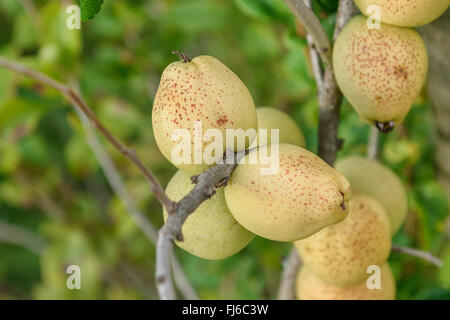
182 56
385 127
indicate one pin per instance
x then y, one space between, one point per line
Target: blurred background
58 209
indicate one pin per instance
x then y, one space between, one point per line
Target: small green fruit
210 232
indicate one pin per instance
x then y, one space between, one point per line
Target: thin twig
312 24
330 97
204 188
314 56
372 145
155 187
346 10
181 281
427 256
22 237
315 63
116 182
286 291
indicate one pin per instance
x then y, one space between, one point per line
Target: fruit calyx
182 56
385 127
343 205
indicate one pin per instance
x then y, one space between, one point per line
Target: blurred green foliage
52 185
89 8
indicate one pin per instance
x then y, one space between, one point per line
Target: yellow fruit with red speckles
311 287
405 13
210 232
341 253
299 195
202 90
380 71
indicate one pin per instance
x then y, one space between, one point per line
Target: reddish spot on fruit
222 120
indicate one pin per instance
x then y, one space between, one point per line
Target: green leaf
265 9
89 8
25 33
328 6
198 13
34 151
6 85
260 42
16 110
57 45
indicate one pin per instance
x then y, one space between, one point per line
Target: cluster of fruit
304 201
381 68
301 197
339 259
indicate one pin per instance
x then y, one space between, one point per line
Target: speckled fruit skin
304 196
380 71
370 177
406 13
311 287
271 118
210 232
203 90
341 253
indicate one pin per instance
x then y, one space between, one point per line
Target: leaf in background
10 7
24 34
295 65
34 151
328 24
191 16
89 8
65 43
9 158
434 293
6 86
17 110
327 5
402 151
434 200
79 158
260 42
257 9
68 246
444 272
